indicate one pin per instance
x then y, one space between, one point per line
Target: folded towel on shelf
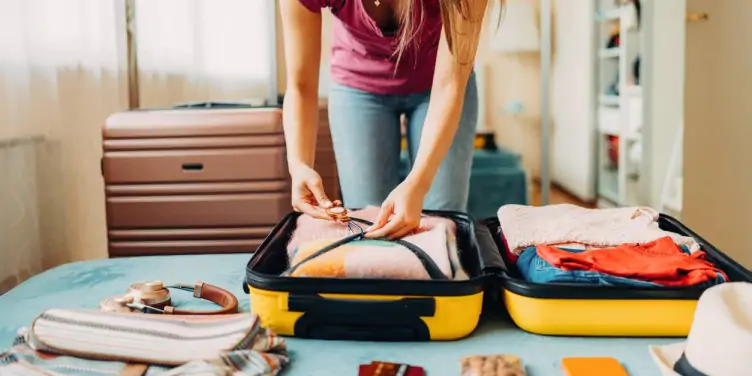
572 226
660 262
373 258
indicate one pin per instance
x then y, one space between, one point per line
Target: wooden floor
557 196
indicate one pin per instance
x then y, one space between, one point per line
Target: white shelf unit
618 115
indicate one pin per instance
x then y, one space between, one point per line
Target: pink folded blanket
373 258
572 226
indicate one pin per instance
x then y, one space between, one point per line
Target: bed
82 284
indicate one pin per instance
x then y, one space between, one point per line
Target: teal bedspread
83 284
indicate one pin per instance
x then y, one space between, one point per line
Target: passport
390 369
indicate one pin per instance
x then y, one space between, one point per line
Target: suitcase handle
413 307
219 104
361 319
193 166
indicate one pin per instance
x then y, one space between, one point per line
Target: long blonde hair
458 18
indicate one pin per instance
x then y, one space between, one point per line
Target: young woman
388 58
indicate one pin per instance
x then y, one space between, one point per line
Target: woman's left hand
400 212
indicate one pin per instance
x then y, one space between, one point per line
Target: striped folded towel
88 342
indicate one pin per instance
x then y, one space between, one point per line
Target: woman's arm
404 205
301 29
447 94
301 26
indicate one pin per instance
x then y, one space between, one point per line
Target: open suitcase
372 309
585 310
199 178
399 310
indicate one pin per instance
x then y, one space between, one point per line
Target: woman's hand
308 194
400 212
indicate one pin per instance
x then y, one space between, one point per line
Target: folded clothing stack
81 341
622 246
373 258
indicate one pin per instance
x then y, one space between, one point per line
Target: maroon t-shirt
362 57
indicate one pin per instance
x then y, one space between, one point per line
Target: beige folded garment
149 339
573 226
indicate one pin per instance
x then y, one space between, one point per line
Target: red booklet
390 369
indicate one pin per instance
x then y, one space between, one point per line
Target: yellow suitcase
372 309
590 310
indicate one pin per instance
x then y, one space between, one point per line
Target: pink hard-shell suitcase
198 180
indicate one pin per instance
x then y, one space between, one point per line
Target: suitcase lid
193 122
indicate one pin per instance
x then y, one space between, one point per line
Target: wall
717 157
512 93
513 79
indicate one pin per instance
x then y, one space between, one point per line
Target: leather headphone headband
154 297
226 300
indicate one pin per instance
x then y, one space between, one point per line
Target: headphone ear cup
115 303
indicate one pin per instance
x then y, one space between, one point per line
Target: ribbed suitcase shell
195 180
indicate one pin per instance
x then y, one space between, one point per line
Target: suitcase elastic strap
431 268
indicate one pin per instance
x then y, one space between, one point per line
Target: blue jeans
537 270
366 135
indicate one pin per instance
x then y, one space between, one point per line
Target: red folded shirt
660 261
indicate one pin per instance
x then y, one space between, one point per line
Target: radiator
20 237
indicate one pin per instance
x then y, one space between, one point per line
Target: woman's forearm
300 115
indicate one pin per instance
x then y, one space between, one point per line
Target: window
222 43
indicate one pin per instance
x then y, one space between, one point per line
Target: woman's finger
381 220
313 211
400 233
391 226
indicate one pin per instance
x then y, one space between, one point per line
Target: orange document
593 367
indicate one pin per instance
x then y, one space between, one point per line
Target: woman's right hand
308 194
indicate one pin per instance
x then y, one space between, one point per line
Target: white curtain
203 50
60 75
63 70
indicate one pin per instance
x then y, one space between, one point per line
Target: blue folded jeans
537 270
